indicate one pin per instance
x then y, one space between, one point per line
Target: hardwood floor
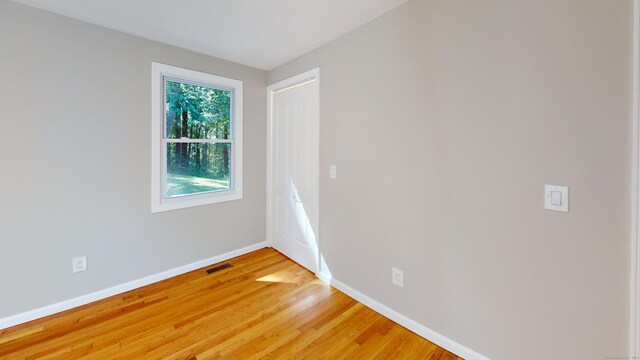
263 307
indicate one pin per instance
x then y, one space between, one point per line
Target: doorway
293 168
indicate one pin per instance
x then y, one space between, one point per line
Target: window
196 138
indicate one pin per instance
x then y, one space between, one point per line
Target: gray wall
445 119
75 165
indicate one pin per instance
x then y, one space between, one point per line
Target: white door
293 169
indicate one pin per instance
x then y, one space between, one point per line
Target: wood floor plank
263 307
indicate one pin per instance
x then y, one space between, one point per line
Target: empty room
320 179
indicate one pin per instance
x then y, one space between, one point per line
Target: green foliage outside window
199 113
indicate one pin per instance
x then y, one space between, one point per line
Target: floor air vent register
218 268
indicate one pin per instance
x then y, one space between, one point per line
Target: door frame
634 303
300 79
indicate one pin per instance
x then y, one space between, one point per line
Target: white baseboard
119 289
436 338
324 277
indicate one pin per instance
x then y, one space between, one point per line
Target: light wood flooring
263 307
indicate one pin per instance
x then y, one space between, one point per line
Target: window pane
197 167
196 112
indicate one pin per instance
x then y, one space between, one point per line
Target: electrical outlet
79 264
397 277
333 171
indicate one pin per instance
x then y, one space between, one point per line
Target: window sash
164 188
166 140
232 99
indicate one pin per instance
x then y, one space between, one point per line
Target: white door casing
634 301
293 168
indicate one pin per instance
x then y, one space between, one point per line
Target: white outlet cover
79 264
397 277
333 171
556 198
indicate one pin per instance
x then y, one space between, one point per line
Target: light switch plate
333 170
556 198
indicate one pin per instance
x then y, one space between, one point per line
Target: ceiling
262 34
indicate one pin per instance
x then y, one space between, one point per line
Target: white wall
75 102
445 119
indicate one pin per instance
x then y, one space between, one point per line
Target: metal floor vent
218 268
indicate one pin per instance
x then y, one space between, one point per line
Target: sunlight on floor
276 278
289 278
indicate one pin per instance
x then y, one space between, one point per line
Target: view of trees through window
197 138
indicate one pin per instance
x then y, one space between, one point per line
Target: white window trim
158 157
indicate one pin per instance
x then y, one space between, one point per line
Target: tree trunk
205 149
225 158
225 161
198 153
184 147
